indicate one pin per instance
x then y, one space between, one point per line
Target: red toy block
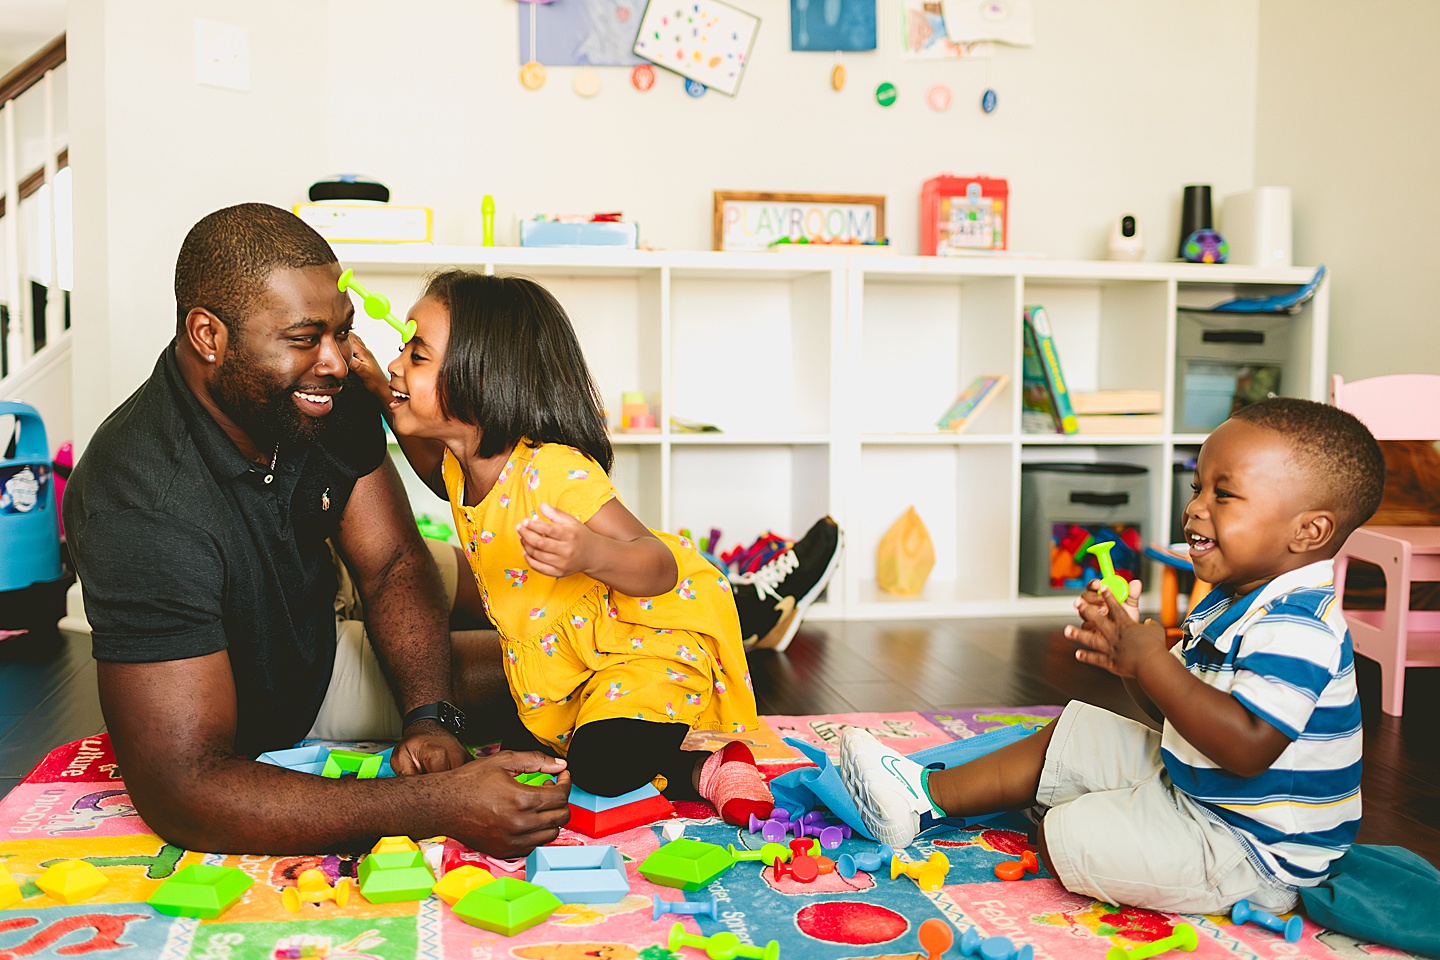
601 816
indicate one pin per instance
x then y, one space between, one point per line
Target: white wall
153 152
1346 118
1119 104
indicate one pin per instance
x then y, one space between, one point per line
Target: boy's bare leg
1004 780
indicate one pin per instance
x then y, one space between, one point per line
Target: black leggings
612 757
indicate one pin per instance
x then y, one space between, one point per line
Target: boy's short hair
1334 449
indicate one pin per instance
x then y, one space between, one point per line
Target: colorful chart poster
578 33
703 40
832 25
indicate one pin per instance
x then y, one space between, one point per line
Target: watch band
443 712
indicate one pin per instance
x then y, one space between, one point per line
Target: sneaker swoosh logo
888 762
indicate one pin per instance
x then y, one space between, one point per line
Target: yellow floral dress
576 650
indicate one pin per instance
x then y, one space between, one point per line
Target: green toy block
687 864
506 906
365 766
201 891
395 877
768 854
535 779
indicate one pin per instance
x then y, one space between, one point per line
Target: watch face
451 718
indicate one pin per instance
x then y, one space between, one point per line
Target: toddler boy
1252 787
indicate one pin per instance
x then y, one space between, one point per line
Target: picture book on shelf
1044 388
968 405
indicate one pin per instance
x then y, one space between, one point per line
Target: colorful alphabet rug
74 806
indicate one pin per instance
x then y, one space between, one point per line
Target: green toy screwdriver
1108 576
377 305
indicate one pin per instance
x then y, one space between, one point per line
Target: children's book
968 405
1043 376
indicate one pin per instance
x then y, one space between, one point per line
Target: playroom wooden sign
756 221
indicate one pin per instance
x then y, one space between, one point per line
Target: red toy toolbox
963 213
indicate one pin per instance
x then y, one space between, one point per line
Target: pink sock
731 781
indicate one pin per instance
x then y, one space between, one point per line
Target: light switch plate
222 55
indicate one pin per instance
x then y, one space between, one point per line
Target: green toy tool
1108 576
377 305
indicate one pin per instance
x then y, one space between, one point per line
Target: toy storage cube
1224 362
1064 507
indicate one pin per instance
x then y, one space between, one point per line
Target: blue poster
826 25
577 33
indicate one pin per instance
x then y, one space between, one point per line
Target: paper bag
905 557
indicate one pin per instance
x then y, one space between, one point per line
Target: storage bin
1066 507
1224 362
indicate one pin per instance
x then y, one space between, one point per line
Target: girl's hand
557 546
372 375
1112 633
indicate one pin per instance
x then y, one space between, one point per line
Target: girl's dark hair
514 367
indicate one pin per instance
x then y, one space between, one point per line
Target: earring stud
212 358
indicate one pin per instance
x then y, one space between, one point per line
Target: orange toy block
1016 869
71 881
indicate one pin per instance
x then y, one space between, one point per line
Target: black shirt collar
216 448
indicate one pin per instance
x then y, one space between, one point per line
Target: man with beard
201 518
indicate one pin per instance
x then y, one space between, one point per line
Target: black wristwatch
444 712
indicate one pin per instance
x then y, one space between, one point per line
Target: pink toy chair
1403 407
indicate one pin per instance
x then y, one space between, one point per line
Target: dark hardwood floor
47 697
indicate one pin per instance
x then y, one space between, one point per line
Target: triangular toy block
686 863
362 766
394 845
309 759
601 816
201 891
395 877
454 885
9 889
507 906
592 874
71 881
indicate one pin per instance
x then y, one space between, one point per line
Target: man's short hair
228 256
1337 453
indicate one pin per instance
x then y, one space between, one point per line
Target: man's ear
207 334
1316 530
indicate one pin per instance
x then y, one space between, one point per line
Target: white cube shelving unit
827 372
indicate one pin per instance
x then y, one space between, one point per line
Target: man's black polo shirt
184 547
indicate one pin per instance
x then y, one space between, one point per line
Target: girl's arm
425 455
612 546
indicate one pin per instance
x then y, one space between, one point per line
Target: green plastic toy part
535 778
362 766
1108 576
1183 938
201 891
377 305
487 220
722 946
506 906
394 877
767 854
687 864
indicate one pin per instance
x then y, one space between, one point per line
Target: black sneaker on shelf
772 601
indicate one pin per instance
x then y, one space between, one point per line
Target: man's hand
507 819
364 364
556 548
427 747
1112 633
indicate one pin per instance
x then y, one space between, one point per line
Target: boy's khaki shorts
1119 831
358 703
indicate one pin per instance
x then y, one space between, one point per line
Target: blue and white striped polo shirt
1284 652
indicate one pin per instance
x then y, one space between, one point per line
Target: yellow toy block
929 874
9 889
461 881
71 881
394 845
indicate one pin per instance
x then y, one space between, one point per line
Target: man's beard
264 410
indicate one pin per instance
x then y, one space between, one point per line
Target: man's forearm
408 624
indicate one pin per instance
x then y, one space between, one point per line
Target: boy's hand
556 548
1112 633
371 374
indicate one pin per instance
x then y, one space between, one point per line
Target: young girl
618 640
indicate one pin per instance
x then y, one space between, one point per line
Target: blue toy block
695 908
590 874
311 759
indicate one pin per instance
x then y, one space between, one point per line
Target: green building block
686 863
201 891
395 877
365 766
506 906
535 779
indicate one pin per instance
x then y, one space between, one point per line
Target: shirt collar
1222 629
216 448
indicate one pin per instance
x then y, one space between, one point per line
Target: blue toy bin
29 521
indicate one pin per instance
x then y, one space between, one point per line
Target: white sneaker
887 787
